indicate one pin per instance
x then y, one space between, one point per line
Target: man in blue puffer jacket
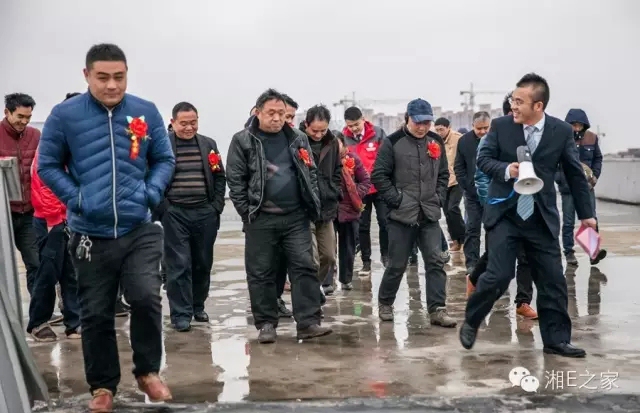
524 293
107 156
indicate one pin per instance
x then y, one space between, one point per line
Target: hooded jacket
329 165
366 148
588 147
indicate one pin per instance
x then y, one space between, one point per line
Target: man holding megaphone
521 155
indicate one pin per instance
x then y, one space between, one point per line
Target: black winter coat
409 179
329 176
247 172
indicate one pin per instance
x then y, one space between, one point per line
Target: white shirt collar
539 126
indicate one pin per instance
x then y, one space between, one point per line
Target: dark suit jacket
556 147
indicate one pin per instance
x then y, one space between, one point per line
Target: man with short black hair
524 293
52 233
292 107
109 170
412 174
20 141
273 186
326 154
530 220
451 206
365 139
465 169
193 203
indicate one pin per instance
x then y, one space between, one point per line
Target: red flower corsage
349 163
138 129
304 156
433 149
214 161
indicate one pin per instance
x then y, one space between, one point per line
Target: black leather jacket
246 172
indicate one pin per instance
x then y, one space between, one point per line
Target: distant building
464 118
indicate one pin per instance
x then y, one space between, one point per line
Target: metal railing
20 381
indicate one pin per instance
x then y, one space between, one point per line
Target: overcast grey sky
220 55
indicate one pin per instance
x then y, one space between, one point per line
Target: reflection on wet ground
222 362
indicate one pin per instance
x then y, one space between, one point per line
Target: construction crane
470 104
363 103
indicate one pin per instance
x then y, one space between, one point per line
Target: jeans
55 267
189 236
569 220
25 240
134 261
443 242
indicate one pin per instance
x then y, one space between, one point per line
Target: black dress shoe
468 336
601 255
565 350
201 317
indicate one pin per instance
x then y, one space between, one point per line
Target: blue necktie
525 202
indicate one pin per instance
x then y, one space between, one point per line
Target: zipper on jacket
262 181
113 174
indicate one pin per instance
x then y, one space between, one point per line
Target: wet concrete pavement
365 359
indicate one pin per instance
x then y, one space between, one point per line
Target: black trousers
401 239
543 253
189 236
132 260
25 239
473 228
280 264
265 238
55 267
453 215
524 280
364 236
347 233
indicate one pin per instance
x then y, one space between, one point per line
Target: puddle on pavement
222 361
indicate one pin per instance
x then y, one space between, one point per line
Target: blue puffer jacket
107 193
482 181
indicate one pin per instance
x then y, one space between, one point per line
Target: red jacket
367 147
45 203
22 146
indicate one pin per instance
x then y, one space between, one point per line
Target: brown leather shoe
102 401
470 287
154 387
526 311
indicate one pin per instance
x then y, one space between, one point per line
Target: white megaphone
528 183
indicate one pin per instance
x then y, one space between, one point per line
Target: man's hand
590 222
514 169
